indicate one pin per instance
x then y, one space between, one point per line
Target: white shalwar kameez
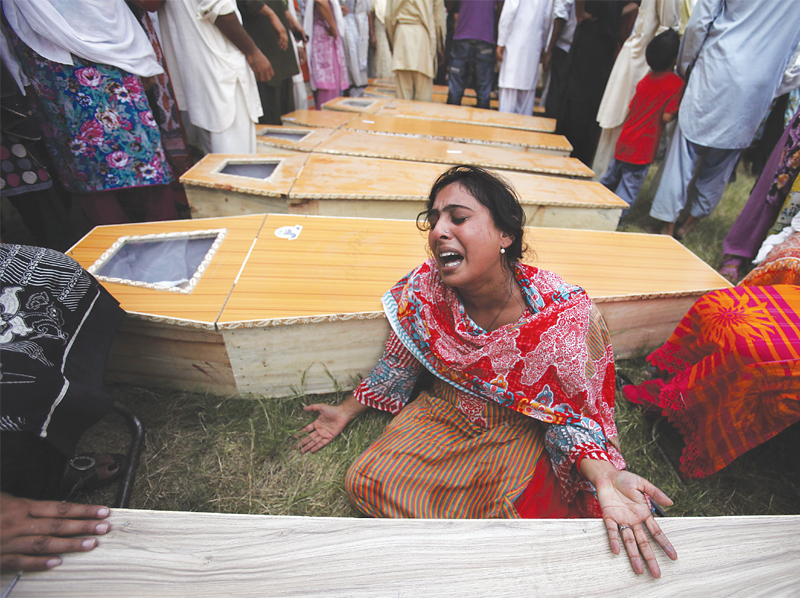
655 17
735 53
522 31
210 75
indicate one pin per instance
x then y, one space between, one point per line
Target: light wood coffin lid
330 176
356 143
202 307
463 114
435 111
206 173
532 141
184 554
338 268
317 118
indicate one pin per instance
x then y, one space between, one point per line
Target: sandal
90 471
730 271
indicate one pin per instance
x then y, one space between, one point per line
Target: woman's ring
624 527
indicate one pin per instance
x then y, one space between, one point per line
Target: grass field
206 453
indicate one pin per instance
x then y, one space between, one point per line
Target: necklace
502 308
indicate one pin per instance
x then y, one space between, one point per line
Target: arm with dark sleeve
232 29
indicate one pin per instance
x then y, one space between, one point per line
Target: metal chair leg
134 452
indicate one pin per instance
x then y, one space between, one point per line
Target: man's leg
457 71
712 177
630 182
507 99
405 84
679 167
239 138
484 72
558 64
423 87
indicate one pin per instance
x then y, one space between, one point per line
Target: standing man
417 29
268 23
734 54
214 65
473 47
521 37
555 59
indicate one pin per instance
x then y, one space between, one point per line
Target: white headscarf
102 31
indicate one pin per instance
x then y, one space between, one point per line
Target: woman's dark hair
495 193
662 50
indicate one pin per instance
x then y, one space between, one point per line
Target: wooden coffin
355 186
435 111
187 554
298 135
291 303
517 139
356 143
329 119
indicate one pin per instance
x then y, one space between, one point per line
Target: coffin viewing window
358 103
255 170
292 136
169 261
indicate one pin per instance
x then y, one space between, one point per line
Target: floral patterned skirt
97 124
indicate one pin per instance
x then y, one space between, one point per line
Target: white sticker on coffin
454 151
289 232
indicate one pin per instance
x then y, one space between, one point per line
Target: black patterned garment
56 327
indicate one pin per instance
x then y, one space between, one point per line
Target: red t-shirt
656 94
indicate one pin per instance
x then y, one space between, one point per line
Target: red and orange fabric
781 266
735 357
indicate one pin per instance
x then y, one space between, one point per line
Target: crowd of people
500 374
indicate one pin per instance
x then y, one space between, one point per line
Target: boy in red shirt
655 103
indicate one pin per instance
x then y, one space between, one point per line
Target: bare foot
687 226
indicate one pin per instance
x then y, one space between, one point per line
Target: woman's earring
502 250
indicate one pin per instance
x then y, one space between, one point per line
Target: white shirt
736 53
565 9
523 29
204 65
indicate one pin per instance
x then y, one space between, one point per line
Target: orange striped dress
433 462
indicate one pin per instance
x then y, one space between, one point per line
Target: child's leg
631 180
613 175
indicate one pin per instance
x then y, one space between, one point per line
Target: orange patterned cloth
735 357
781 265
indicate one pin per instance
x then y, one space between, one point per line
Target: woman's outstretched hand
623 498
330 422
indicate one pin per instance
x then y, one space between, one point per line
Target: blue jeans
466 54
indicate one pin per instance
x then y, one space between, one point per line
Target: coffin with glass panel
415 109
278 304
344 141
341 185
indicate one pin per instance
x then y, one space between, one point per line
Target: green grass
205 453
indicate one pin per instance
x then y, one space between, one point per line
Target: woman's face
464 239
